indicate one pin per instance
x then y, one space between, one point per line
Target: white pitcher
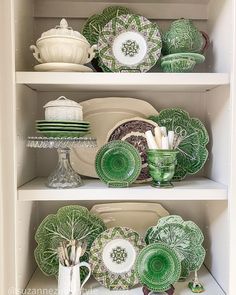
69 279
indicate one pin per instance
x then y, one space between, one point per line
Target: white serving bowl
63 45
63 109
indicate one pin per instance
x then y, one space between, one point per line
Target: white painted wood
152 10
198 82
40 282
192 189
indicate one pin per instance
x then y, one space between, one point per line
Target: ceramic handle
62 98
36 53
85 264
91 53
207 41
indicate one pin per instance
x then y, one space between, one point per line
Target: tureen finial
63 23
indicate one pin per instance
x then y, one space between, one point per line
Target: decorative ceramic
61 67
63 109
185 237
195 286
181 62
62 127
118 164
161 166
64 123
114 109
112 258
192 149
69 279
63 45
158 267
133 131
138 216
146 291
62 133
129 43
183 36
70 222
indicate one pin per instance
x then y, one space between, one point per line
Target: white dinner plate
103 114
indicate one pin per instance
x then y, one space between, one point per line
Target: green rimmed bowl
118 164
158 267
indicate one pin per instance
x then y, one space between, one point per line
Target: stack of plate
63 128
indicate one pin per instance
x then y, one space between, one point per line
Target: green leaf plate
158 267
199 58
118 163
192 150
62 128
63 125
70 222
112 258
185 237
62 122
62 133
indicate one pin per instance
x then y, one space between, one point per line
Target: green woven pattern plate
192 150
158 267
118 163
112 258
129 43
70 222
185 237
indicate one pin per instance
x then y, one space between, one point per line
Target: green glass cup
161 164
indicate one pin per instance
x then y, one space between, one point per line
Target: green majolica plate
192 150
62 133
158 267
63 122
58 125
118 163
69 223
199 58
62 128
112 258
129 43
185 237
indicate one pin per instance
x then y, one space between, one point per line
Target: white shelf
41 282
54 81
191 189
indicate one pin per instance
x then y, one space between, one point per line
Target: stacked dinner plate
63 128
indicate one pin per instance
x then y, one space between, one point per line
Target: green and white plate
69 223
129 43
199 58
118 163
62 122
185 237
192 149
158 267
112 258
62 133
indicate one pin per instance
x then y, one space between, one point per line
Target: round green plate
118 163
199 58
63 133
61 128
158 267
62 122
185 237
63 125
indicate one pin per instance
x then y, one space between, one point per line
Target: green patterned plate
129 43
63 122
112 258
199 58
60 125
61 128
158 267
70 222
192 150
63 133
185 237
118 163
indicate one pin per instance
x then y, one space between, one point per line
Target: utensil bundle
164 140
69 253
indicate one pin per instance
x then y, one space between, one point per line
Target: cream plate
61 67
103 114
138 216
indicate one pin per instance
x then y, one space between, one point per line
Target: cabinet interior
212 107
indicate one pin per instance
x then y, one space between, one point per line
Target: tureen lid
63 30
62 101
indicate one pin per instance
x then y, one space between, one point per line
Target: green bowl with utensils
161 164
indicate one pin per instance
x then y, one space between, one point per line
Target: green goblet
161 164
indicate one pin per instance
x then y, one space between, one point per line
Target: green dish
61 128
62 133
70 222
199 58
185 237
192 150
63 125
62 122
118 163
158 267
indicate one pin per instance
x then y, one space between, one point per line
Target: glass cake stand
64 175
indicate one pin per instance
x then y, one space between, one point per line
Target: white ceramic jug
69 279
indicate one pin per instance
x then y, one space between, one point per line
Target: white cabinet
208 93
